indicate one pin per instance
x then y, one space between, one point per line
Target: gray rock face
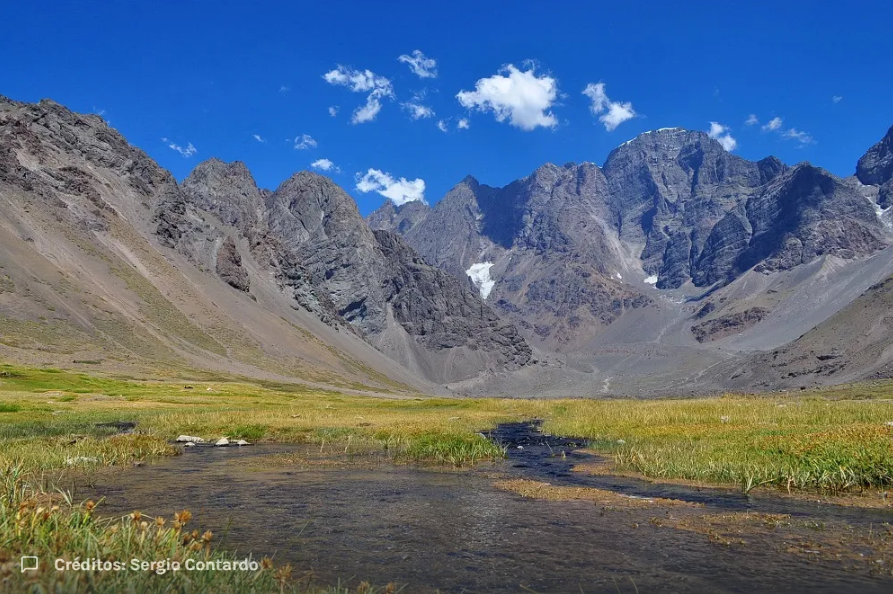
876 168
440 312
804 214
309 232
399 218
227 190
571 245
729 324
554 257
229 266
669 189
318 224
380 285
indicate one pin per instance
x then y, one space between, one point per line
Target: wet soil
435 530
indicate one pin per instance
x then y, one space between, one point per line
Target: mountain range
676 267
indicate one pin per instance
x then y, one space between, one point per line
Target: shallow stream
433 530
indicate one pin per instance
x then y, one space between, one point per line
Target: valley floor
67 437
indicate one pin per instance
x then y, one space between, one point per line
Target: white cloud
186 152
421 65
284 89
521 97
774 124
416 110
752 120
721 134
258 138
803 138
304 142
325 165
836 98
613 113
368 112
442 125
362 81
333 110
463 124
399 191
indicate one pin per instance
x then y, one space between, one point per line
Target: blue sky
214 75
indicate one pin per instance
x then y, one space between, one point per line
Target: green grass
834 441
810 443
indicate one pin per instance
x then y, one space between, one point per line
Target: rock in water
189 438
222 442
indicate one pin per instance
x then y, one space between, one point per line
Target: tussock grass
797 443
835 440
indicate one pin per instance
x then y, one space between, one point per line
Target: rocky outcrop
382 287
669 188
401 218
229 266
726 325
440 312
876 168
229 191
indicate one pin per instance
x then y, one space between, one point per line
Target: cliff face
572 248
203 274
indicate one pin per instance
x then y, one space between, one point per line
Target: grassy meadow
835 441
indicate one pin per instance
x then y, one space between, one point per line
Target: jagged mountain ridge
361 276
106 259
670 207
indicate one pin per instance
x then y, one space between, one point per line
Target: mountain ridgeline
574 247
675 267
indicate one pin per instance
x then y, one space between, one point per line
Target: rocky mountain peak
876 166
398 218
227 190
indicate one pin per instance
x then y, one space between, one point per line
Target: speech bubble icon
29 564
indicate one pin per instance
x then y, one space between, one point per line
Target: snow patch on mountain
480 275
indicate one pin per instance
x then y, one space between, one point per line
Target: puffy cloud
721 134
774 124
521 97
325 165
421 65
836 98
399 191
611 113
463 124
258 138
186 152
304 142
362 81
333 110
442 125
752 120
